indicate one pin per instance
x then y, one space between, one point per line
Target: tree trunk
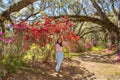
118 47
113 30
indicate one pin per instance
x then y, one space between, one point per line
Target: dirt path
104 67
72 69
103 71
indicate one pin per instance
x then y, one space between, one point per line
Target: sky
7 4
5 1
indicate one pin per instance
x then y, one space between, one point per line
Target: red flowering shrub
41 33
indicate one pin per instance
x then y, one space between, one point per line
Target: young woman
59 54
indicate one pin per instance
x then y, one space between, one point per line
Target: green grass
97 48
71 55
117 73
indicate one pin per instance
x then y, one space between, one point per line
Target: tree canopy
94 11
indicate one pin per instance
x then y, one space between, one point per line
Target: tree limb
16 7
90 32
80 28
99 11
13 8
113 8
79 18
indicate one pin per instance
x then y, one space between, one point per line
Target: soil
84 67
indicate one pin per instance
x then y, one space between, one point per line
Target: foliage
35 50
46 32
42 33
96 48
71 55
12 52
10 64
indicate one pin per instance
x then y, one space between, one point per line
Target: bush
10 63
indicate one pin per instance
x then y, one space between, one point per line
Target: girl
59 54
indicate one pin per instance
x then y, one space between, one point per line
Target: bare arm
65 43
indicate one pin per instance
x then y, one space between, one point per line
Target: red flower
57 31
26 37
78 37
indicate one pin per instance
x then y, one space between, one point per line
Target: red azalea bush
43 32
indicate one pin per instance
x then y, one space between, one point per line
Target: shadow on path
97 57
70 70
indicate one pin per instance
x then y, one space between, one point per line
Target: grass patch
71 55
96 48
117 73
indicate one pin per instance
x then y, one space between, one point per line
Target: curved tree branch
79 31
16 7
106 24
83 31
13 8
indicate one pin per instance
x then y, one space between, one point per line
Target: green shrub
10 63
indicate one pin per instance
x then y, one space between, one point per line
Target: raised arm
65 43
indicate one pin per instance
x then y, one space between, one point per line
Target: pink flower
109 51
10 40
1 33
1 39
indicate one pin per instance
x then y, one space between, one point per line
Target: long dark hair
58 41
